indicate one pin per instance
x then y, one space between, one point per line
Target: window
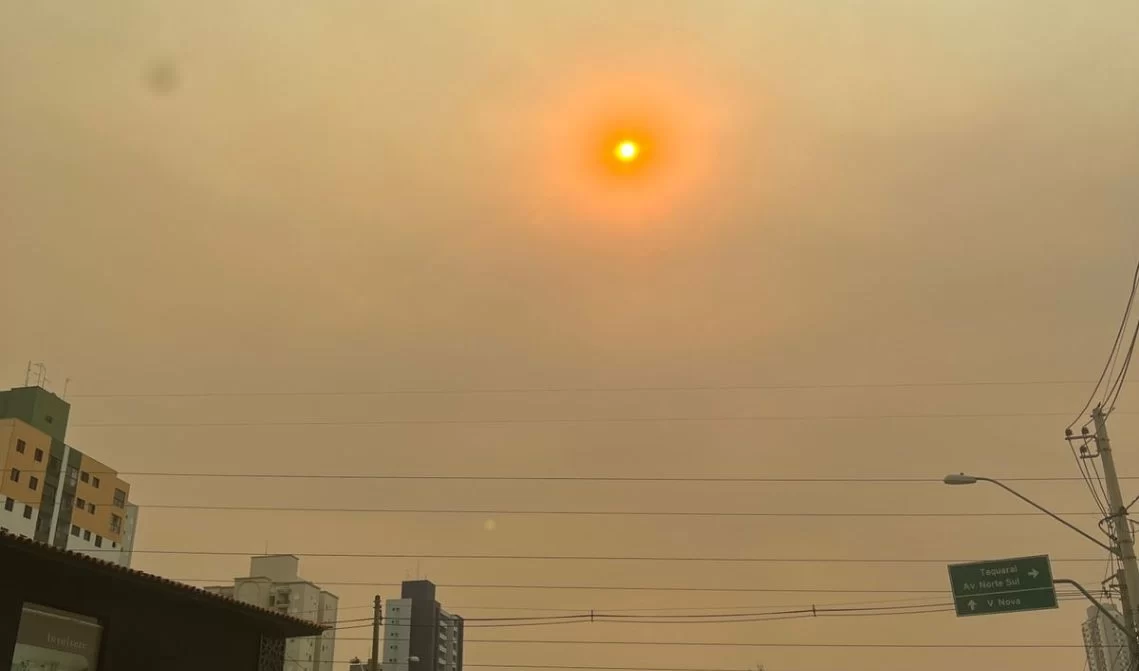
75 530
14 476
21 446
91 508
9 503
84 476
54 464
80 504
66 501
117 525
27 512
120 498
98 541
33 483
86 535
114 544
95 481
39 456
72 475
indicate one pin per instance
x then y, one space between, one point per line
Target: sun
626 151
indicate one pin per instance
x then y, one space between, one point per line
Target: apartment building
1104 643
419 635
274 582
53 492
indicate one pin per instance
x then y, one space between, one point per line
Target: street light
963 479
1128 625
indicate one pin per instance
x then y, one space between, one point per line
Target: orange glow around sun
625 148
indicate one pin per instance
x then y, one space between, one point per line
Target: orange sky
350 196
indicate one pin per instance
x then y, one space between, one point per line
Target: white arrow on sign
972 605
1034 573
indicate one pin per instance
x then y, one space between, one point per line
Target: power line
1113 359
598 558
589 390
1114 349
588 513
568 420
1113 395
774 644
884 480
604 617
615 588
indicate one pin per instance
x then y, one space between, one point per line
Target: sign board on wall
56 640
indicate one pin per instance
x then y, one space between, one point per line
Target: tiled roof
285 625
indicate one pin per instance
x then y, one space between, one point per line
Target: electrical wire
619 479
1117 388
594 558
1114 358
603 617
566 420
1114 349
595 513
585 390
781 644
614 588
1086 476
1103 498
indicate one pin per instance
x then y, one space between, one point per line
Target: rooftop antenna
66 381
36 375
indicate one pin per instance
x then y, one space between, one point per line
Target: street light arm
1051 514
1103 609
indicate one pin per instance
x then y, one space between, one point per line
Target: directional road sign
1002 586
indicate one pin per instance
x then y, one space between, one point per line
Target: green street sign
1002 586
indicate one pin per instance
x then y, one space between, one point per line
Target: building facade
53 492
274 583
1104 643
64 611
419 635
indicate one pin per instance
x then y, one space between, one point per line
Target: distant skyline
398 197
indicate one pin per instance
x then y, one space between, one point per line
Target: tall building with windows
51 491
1104 643
274 582
419 635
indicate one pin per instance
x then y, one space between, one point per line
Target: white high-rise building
1105 644
274 582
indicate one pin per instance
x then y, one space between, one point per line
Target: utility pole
377 619
1124 541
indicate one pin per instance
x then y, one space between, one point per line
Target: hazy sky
350 196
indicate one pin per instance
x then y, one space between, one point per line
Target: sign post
1002 586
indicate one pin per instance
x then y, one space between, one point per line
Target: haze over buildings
869 243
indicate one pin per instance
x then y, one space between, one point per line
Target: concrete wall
14 520
396 647
278 568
